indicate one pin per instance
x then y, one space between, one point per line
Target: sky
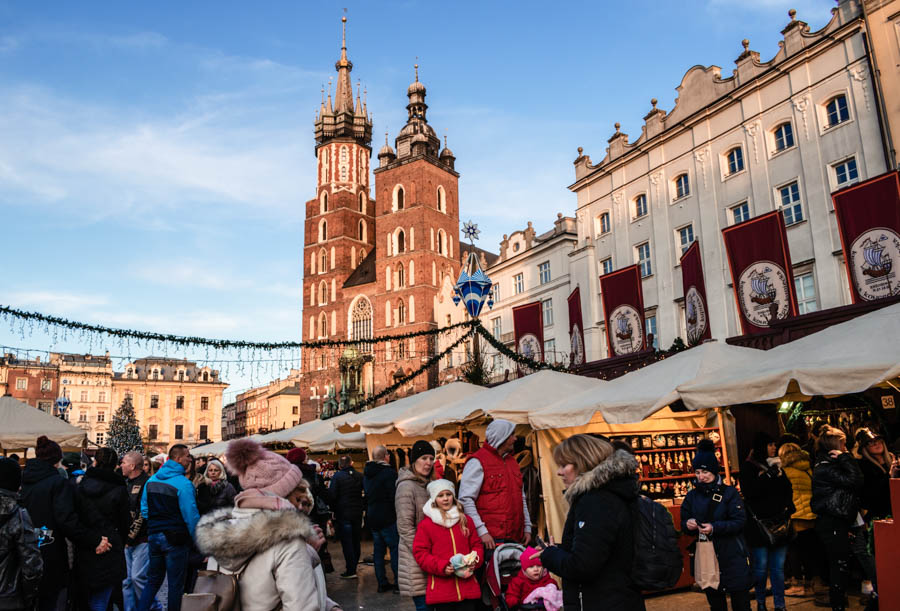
155 158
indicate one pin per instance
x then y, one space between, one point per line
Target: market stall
21 425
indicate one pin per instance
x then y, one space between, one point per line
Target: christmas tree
124 431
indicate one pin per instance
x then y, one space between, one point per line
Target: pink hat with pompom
261 469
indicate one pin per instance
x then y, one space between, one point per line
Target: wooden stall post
720 413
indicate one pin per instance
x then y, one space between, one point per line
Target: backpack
215 591
658 562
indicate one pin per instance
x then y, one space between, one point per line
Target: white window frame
599 228
547 312
833 173
779 202
634 207
654 331
726 161
680 246
773 138
648 260
497 326
518 284
814 298
549 349
732 208
823 111
21 383
675 196
603 265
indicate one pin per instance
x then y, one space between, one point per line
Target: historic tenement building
777 134
374 258
86 380
271 407
32 381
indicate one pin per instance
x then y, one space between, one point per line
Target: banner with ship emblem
696 317
528 322
868 216
760 263
623 307
576 328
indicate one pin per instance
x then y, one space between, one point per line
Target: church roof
364 273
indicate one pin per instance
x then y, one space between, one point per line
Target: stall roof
850 357
21 425
217 448
334 440
639 394
381 420
513 401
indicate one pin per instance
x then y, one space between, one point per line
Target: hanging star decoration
473 287
470 231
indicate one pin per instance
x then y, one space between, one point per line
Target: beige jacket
409 500
280 570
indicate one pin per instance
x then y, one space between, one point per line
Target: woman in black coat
596 555
102 502
214 491
836 487
769 497
716 511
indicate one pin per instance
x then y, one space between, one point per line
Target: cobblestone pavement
361 593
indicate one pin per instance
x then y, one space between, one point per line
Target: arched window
837 110
323 293
344 168
401 313
682 186
441 242
401 242
362 230
323 325
640 206
361 319
362 202
323 230
735 160
784 136
323 261
400 198
401 276
441 200
206 376
323 203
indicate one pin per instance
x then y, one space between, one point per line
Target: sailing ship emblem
627 333
764 293
577 346
530 347
872 257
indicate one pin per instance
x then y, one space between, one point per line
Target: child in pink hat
530 578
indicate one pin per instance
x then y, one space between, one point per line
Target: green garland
7 312
515 356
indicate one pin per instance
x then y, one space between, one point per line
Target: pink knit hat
261 469
525 559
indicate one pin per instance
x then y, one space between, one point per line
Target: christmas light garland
519 359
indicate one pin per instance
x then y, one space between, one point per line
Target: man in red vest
490 489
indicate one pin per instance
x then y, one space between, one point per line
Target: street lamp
62 405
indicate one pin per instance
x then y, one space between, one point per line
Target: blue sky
155 157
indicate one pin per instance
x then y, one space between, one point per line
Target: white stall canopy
849 357
316 433
21 425
217 448
641 393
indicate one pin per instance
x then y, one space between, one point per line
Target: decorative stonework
655 179
753 130
701 157
861 76
801 105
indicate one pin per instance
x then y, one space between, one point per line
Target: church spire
343 95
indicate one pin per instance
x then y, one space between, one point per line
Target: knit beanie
48 450
261 469
525 559
420 448
439 485
10 475
297 456
705 457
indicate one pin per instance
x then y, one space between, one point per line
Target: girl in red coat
448 549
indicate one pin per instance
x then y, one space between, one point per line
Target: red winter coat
499 502
432 547
520 587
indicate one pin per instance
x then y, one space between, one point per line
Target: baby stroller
499 571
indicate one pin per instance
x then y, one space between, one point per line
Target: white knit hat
439 485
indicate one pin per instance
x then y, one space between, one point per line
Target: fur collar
232 536
796 458
620 464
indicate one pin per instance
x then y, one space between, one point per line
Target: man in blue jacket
170 508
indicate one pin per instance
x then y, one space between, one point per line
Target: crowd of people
132 533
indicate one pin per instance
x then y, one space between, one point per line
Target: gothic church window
323 203
401 242
401 276
362 203
323 230
441 200
362 236
344 168
401 313
323 325
323 261
361 319
399 198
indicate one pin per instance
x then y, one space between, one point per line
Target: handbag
776 532
215 591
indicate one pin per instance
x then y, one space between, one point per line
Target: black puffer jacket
876 492
596 555
50 501
380 482
768 494
103 504
836 487
212 496
346 494
21 565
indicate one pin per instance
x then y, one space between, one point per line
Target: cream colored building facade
270 407
778 134
883 29
175 401
86 380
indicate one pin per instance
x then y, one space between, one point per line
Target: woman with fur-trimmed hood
597 549
264 536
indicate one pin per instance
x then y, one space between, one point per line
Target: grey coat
410 499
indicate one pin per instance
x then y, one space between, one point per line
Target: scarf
435 514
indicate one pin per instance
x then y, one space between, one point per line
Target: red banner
623 307
868 216
760 263
576 328
528 321
696 310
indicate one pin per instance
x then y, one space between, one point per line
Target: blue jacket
168 503
728 518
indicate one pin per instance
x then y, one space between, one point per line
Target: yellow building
86 380
175 401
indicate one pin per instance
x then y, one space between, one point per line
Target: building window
22 384
45 406
846 172
401 276
99 437
401 199
640 206
179 402
401 350
784 137
179 431
544 272
441 200
101 397
323 325
837 110
401 314
83 416
323 261
84 395
735 160
497 327
101 416
323 230
805 287
401 242
685 237
46 385
740 213
603 224
547 311
154 401
790 203
203 432
361 321
606 264
550 351
650 329
361 231
323 203
204 404
643 259
362 203
152 432
682 186
496 291
295 410
518 284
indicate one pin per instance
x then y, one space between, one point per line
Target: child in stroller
511 575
